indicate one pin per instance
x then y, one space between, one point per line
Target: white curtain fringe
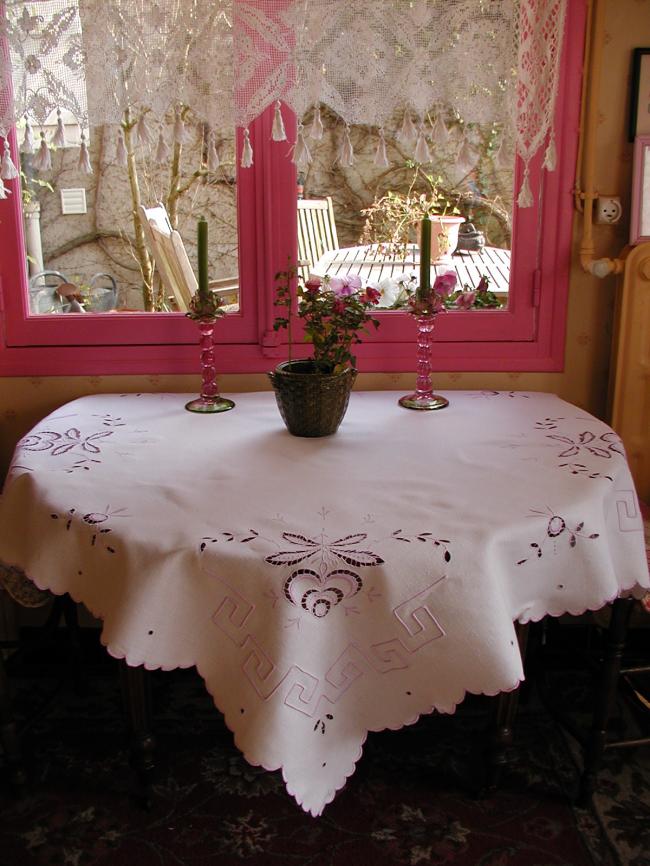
278 132
381 157
213 156
121 156
84 157
316 129
58 139
408 134
301 153
422 154
525 197
142 132
247 151
8 170
162 149
43 159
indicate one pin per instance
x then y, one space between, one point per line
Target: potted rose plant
312 393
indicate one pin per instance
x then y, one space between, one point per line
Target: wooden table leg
9 739
605 697
501 729
137 698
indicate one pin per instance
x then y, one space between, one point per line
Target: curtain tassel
465 158
525 197
500 157
142 130
422 153
247 150
181 134
346 151
58 139
28 139
278 132
550 157
8 170
439 132
43 159
121 156
408 133
162 148
84 158
213 156
301 155
316 129
381 158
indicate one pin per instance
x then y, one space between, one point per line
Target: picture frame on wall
640 94
640 217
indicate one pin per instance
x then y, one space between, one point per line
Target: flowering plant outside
335 311
399 294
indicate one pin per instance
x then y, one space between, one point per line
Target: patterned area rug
410 801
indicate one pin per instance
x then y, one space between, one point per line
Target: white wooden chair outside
316 232
168 251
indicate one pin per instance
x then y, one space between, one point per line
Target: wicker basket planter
311 403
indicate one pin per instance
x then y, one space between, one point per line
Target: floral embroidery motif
93 520
62 443
319 589
323 580
557 526
587 440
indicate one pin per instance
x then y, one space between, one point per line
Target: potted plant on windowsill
312 393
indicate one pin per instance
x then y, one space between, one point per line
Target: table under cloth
326 587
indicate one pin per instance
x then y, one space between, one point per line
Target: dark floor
414 798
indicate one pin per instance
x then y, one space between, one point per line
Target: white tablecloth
325 587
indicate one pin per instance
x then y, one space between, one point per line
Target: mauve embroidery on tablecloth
323 585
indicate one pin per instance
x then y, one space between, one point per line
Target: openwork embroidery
556 528
329 570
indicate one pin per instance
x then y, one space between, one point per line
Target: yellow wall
23 401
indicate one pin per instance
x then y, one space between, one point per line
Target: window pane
86 252
377 208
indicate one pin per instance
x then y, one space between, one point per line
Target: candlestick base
208 405
423 396
423 401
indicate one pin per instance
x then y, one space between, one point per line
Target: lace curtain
155 68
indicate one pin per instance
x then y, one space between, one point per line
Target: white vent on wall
73 201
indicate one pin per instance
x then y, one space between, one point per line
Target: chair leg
137 697
501 731
605 697
9 738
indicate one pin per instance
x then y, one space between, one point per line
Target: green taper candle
424 289
202 255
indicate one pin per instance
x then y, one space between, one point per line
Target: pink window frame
528 336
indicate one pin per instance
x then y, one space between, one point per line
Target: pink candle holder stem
209 400
423 396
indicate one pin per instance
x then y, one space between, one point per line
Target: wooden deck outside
368 263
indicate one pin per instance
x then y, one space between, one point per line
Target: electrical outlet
608 209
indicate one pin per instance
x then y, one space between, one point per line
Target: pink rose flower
465 300
354 282
445 284
313 285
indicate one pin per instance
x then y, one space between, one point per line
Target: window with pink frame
528 335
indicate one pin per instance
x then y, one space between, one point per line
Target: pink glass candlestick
423 396
209 399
